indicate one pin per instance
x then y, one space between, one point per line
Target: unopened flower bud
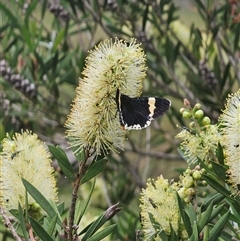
186 103
182 110
192 125
196 175
187 181
197 106
190 191
186 114
182 192
199 114
202 183
197 167
206 121
203 194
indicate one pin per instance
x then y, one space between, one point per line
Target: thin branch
97 18
155 154
9 225
76 186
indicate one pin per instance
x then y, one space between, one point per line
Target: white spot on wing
137 126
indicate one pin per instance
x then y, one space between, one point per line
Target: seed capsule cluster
18 81
59 11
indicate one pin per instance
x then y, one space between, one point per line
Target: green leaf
94 227
195 233
98 223
29 10
163 236
220 154
103 233
52 225
220 170
81 208
22 222
204 217
173 235
237 36
216 211
58 39
63 162
41 200
218 227
185 217
60 207
206 233
39 230
95 169
27 37
216 199
13 20
215 185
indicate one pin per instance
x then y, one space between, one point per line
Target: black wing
137 113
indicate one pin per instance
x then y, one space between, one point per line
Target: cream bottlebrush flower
25 156
199 145
160 201
92 123
230 129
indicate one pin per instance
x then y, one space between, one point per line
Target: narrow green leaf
63 162
40 199
52 225
163 236
58 39
81 208
173 235
185 217
223 81
98 223
94 227
22 222
44 4
216 185
95 169
237 37
216 199
226 235
12 19
29 10
39 230
60 207
26 205
200 4
204 217
103 233
220 170
194 235
216 211
206 233
3 29
27 37
218 227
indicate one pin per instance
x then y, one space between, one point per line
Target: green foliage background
192 50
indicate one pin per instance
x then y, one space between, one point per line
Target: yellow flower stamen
25 156
93 123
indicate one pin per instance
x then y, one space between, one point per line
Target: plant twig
76 186
9 225
97 18
31 235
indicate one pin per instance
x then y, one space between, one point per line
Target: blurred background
192 50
